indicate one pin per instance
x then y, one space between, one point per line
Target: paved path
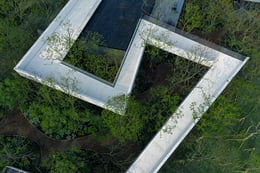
168 11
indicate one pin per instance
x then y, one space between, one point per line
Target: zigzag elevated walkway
223 64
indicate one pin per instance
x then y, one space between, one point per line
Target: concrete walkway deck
49 70
223 68
167 11
43 62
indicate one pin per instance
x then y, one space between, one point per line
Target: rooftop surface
167 11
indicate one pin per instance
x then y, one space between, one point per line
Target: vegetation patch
55 113
227 137
90 54
88 161
102 43
163 81
62 116
21 23
19 152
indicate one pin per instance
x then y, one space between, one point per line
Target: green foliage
76 160
124 127
18 152
227 137
154 56
159 90
88 54
62 116
70 162
214 146
221 118
158 108
222 158
254 161
141 120
118 159
57 114
242 32
14 92
193 19
206 16
12 38
186 75
159 96
21 23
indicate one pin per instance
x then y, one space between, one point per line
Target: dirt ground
15 123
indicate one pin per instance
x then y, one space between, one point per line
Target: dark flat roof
116 20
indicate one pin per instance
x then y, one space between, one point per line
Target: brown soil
214 37
14 123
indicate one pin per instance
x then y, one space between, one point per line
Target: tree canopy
225 140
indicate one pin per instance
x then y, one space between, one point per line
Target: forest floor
15 123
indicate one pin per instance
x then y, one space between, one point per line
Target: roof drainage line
126 53
195 38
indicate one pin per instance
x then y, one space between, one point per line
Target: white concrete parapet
223 68
43 61
42 64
